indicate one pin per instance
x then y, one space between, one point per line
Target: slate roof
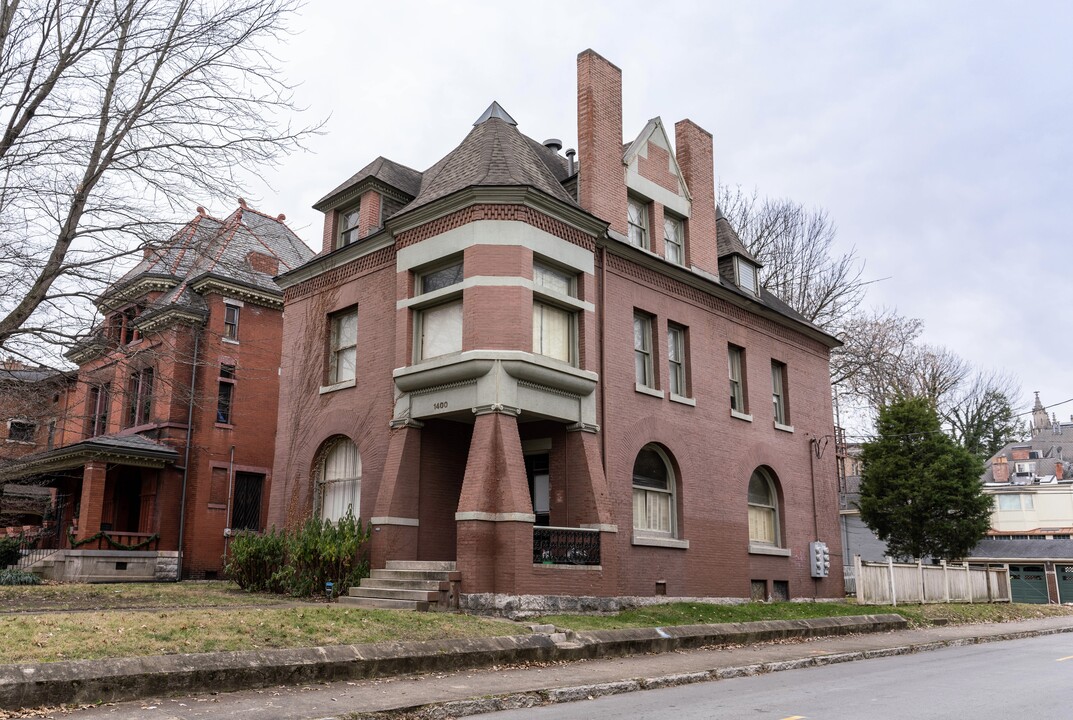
211 246
29 375
727 240
389 172
1023 549
493 154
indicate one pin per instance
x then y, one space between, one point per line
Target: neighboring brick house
137 447
563 377
1032 520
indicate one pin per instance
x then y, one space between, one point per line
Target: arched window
339 486
763 510
653 493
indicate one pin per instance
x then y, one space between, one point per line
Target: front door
537 471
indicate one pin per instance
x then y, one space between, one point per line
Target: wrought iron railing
566 546
37 542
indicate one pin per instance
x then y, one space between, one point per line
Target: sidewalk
466 692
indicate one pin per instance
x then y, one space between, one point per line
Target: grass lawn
85 622
47 637
77 596
701 614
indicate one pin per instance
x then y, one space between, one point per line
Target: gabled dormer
359 206
659 204
737 265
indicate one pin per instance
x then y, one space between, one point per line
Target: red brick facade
127 460
451 443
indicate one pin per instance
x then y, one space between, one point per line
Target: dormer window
746 276
348 226
637 220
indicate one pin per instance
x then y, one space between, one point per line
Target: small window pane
552 331
553 280
746 275
1009 502
439 279
737 396
672 236
441 330
343 358
637 220
642 352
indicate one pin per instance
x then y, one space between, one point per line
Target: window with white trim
231 321
654 506
348 226
339 481
554 328
439 327
747 276
637 222
778 393
674 239
676 360
642 350
763 510
736 361
343 346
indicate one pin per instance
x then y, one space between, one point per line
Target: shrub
18 577
301 562
9 551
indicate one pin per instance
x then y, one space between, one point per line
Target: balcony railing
566 546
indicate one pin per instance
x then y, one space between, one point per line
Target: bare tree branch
117 118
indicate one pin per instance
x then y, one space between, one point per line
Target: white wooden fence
891 583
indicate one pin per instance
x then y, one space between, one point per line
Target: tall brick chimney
693 145
601 175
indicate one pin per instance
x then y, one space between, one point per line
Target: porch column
495 513
91 505
395 515
590 496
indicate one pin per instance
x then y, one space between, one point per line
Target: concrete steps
408 585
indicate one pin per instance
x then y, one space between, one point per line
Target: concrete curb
515 701
113 680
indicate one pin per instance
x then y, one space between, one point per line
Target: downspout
186 458
230 495
600 317
813 455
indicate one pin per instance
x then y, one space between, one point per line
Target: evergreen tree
921 491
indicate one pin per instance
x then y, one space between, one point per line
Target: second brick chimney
694 154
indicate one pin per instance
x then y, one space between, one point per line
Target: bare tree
980 416
113 115
795 245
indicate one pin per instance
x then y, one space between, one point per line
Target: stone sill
661 542
338 386
784 428
755 549
740 415
645 390
692 402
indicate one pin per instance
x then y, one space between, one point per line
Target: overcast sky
936 134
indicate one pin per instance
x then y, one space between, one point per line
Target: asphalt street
1031 678
1022 674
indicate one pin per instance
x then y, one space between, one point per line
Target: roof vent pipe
554 144
570 159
